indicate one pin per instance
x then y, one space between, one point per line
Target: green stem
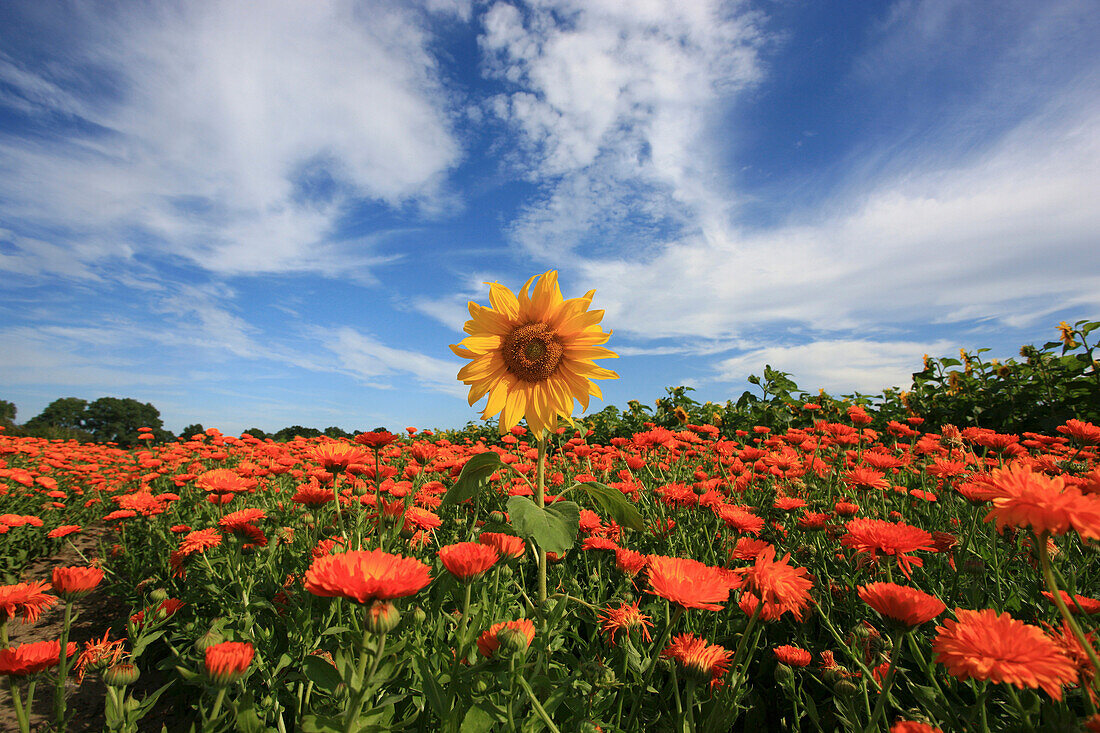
654 656
540 499
1020 706
62 668
217 704
536 705
17 703
884 694
1048 577
689 702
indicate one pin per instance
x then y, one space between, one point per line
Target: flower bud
420 616
382 617
207 640
783 674
496 517
120 675
158 595
513 640
844 688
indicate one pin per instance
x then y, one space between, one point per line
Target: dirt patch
93 614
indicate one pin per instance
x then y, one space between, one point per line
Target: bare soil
93 615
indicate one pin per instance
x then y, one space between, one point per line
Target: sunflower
533 354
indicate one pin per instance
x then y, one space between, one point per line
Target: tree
256 433
7 413
68 413
334 432
295 430
116 420
190 430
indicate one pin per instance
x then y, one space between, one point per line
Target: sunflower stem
540 499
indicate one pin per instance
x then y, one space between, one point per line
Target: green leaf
321 724
950 362
476 721
323 674
476 472
613 503
553 528
247 719
433 693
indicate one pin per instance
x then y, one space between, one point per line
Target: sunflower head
533 353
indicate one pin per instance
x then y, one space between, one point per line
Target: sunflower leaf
475 473
553 528
613 503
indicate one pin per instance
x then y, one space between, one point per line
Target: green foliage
553 528
190 430
66 412
7 413
116 420
295 431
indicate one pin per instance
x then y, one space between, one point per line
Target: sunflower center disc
532 352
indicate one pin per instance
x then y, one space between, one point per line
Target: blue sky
272 218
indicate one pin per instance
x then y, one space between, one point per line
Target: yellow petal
503 301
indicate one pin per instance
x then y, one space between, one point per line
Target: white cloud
839 366
369 359
232 134
617 104
1008 234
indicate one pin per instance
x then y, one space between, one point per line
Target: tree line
119 420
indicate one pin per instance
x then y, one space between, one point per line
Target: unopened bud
844 688
207 640
382 617
783 674
513 640
120 675
158 595
496 517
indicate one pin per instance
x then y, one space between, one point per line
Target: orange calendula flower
873 536
200 540
698 658
98 654
224 481
688 582
913 726
74 582
986 646
236 521
780 586
32 658
624 618
28 599
490 640
792 655
1086 604
533 355
468 560
364 576
227 662
901 603
509 546
338 456
1023 498
63 531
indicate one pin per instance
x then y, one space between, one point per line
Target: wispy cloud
839 366
616 106
232 138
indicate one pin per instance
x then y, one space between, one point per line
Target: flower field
829 576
